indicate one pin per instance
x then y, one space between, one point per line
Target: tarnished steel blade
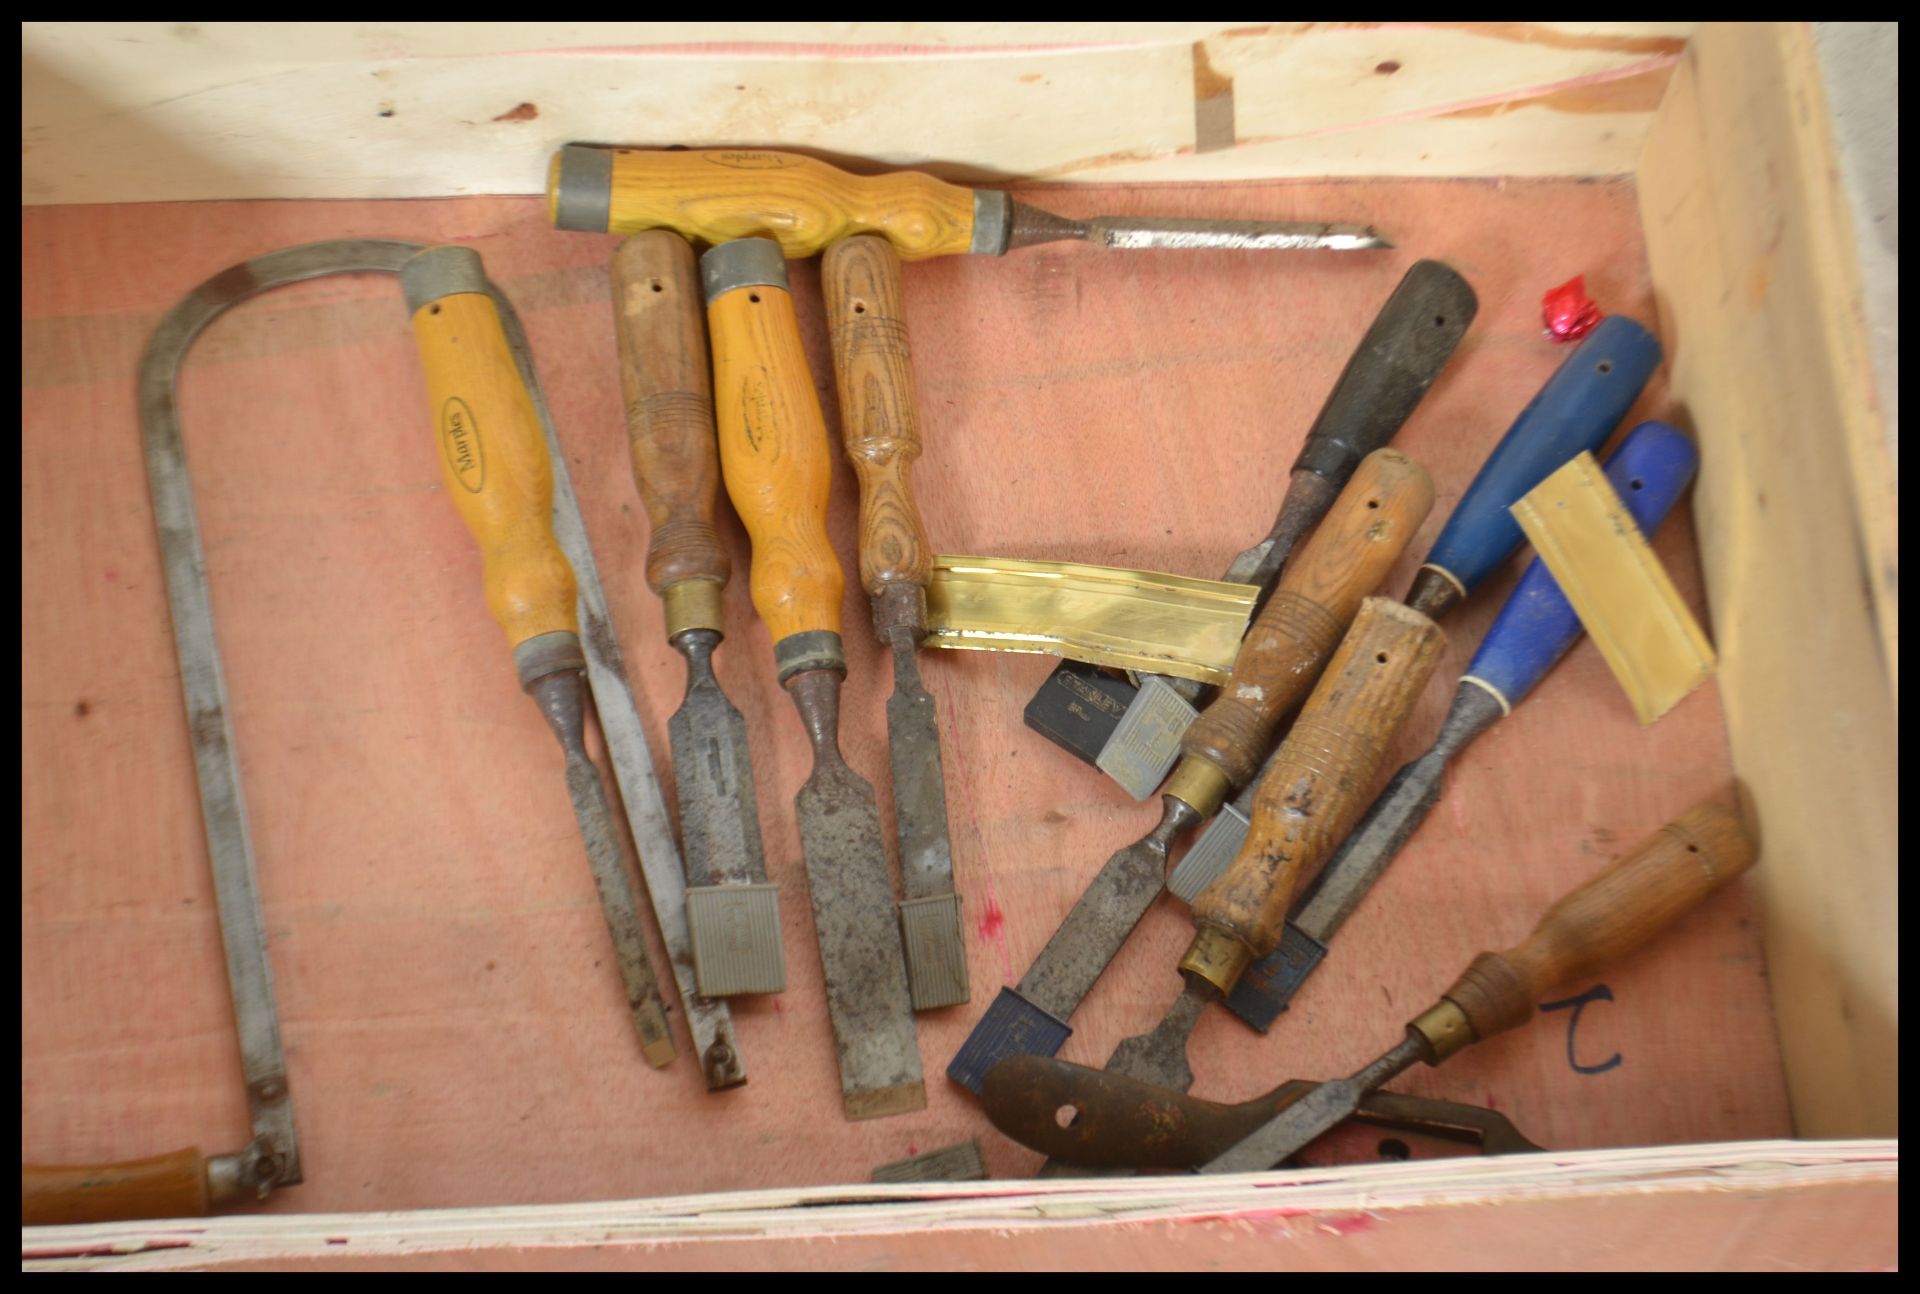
1307 499
713 779
622 913
1095 928
919 789
1136 232
1160 1057
274 1157
1312 1115
859 936
646 808
1115 1124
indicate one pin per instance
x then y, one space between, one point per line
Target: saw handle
717 195
1403 352
165 1186
1617 912
1320 590
493 454
1315 786
1575 410
879 424
774 453
1537 626
662 329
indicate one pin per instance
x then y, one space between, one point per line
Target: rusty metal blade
930 917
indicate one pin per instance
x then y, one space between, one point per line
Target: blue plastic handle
1576 410
1649 471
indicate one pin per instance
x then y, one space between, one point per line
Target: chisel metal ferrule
550 653
441 272
737 947
743 263
580 180
814 649
693 604
992 223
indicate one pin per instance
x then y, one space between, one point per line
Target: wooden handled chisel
1347 557
718 194
1650 470
1308 801
880 425
733 911
493 457
1399 358
777 464
1614 914
1575 410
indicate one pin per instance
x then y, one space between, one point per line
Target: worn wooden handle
1348 556
879 422
493 457
1668 875
717 195
166 1186
1318 782
775 458
662 329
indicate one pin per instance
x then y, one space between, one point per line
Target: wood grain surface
455 1027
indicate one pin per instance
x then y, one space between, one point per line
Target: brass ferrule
1217 957
1200 784
1445 1028
693 604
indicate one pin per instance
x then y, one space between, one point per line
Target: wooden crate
456 1041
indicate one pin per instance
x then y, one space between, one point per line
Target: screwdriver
1402 354
777 465
1649 470
1624 907
719 194
1368 528
1309 797
493 457
880 427
733 912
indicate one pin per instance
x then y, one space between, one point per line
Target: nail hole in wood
1373 503
434 309
754 297
1605 366
1382 658
859 309
658 286
1693 849
1387 68
1067 1115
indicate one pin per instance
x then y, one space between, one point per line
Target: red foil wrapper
1567 311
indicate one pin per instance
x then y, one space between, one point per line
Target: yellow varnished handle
717 195
493 454
774 454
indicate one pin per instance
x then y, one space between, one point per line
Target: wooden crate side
142 112
1760 310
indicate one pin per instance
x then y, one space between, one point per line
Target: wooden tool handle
1348 556
166 1186
879 422
662 327
493 454
716 195
1668 875
775 457
1316 786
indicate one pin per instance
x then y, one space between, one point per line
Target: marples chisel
718 194
880 425
777 463
733 911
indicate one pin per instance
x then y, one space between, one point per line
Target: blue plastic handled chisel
1650 471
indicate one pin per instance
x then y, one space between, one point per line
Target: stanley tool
1401 355
1575 410
184 1183
881 427
498 474
733 912
1370 525
1308 801
777 464
1650 470
1618 911
718 194
1095 1119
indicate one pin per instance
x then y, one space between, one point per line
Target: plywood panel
141 112
453 1022
1760 305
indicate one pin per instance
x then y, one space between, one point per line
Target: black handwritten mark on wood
1598 993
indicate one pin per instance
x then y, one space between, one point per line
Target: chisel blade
733 914
930 913
1143 232
853 914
